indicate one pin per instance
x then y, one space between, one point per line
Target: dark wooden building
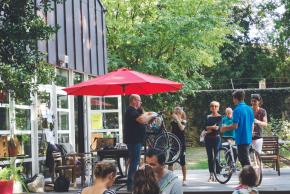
81 40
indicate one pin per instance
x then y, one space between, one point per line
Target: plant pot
6 186
17 187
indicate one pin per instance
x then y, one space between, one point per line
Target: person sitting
248 180
167 180
105 174
144 181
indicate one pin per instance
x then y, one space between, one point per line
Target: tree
173 39
21 63
245 59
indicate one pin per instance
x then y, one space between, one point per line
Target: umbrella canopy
123 82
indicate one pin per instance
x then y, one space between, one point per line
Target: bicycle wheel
256 163
170 144
223 166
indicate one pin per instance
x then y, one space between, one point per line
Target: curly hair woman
144 181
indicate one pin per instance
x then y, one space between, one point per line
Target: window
62 77
23 119
4 118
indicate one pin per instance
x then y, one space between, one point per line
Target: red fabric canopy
123 82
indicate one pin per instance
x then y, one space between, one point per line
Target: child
226 121
248 180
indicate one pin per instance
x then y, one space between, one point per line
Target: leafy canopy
173 39
20 60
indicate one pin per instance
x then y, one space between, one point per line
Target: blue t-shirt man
244 118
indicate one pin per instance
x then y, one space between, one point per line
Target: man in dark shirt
134 132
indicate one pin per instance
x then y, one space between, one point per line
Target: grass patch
196 158
198 165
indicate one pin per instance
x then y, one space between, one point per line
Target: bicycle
158 137
226 164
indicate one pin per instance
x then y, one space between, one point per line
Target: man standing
168 182
243 120
134 131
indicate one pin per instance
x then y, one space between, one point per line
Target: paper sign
97 120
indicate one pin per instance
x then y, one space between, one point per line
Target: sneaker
184 183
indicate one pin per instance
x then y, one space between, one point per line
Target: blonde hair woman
178 124
212 139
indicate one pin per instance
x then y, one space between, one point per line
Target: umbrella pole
123 112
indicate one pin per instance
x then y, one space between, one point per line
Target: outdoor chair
270 152
61 167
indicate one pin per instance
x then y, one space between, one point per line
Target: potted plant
10 178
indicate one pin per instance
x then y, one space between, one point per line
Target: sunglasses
256 96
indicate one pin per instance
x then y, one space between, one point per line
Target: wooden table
115 154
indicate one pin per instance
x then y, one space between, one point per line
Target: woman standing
260 121
178 124
212 139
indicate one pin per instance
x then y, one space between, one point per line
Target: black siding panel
99 12
81 36
86 40
70 33
61 32
78 36
93 39
104 64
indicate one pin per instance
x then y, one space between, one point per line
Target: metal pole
232 84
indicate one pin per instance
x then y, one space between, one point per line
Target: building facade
78 51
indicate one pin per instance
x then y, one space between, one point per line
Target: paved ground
197 182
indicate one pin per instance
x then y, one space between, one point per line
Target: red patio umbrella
123 82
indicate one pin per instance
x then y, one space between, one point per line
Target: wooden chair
61 168
270 152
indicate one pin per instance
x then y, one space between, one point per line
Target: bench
270 152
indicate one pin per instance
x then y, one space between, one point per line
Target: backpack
61 184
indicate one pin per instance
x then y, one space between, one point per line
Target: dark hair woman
260 121
144 181
105 174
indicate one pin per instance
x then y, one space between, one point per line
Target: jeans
243 154
212 145
134 158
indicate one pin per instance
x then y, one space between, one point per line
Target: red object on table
6 187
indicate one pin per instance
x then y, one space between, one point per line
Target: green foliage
247 60
173 39
20 61
278 127
11 172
